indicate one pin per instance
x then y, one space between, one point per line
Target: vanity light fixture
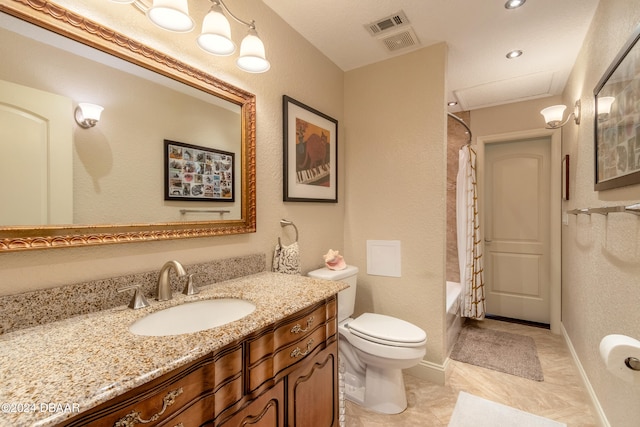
215 38
87 115
604 107
553 115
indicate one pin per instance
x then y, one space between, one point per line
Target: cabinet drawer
285 357
286 334
157 402
298 350
299 328
227 366
229 394
191 416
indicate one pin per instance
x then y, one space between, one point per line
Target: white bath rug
474 411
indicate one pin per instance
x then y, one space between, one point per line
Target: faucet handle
138 300
191 288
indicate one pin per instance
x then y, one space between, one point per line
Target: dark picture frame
617 134
565 177
310 151
195 173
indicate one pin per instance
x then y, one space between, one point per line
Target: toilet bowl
373 349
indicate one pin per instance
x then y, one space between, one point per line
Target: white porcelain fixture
374 349
192 317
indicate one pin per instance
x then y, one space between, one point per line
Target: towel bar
220 211
284 223
631 209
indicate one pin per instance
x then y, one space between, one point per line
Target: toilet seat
387 330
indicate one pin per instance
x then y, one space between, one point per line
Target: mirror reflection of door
36 174
517 229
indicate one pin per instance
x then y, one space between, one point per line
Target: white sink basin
192 317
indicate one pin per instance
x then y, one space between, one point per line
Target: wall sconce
604 107
553 115
87 115
215 38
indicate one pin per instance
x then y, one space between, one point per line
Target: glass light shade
87 115
171 15
91 111
252 57
216 33
604 104
553 115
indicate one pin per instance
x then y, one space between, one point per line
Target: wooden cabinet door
265 411
313 391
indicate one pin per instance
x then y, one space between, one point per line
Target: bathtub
453 319
453 294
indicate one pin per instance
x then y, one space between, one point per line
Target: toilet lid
387 330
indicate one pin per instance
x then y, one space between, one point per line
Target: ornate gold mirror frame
64 22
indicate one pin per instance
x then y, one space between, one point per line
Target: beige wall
601 255
395 147
507 118
299 71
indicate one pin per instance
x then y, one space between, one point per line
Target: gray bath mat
501 351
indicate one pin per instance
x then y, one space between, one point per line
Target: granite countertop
52 372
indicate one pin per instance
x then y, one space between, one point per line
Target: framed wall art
197 173
617 129
565 177
310 154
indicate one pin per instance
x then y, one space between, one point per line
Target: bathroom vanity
277 366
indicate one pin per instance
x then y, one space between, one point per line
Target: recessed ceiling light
514 4
452 103
514 54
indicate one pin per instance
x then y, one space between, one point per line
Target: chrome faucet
164 284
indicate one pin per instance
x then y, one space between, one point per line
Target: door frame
555 207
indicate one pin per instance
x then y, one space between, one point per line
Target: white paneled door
517 228
37 158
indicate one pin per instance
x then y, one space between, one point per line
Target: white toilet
374 349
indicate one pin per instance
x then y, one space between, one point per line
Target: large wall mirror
64 185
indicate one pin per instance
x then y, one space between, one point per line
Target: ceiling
479 33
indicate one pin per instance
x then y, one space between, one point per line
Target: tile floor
561 396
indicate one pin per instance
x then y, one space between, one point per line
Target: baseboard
518 321
595 403
430 371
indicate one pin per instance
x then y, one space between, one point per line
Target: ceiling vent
402 40
393 32
388 24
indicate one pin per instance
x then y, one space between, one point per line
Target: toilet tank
347 297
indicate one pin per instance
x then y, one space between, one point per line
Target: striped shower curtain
469 242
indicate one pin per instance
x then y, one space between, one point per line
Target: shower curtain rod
459 120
